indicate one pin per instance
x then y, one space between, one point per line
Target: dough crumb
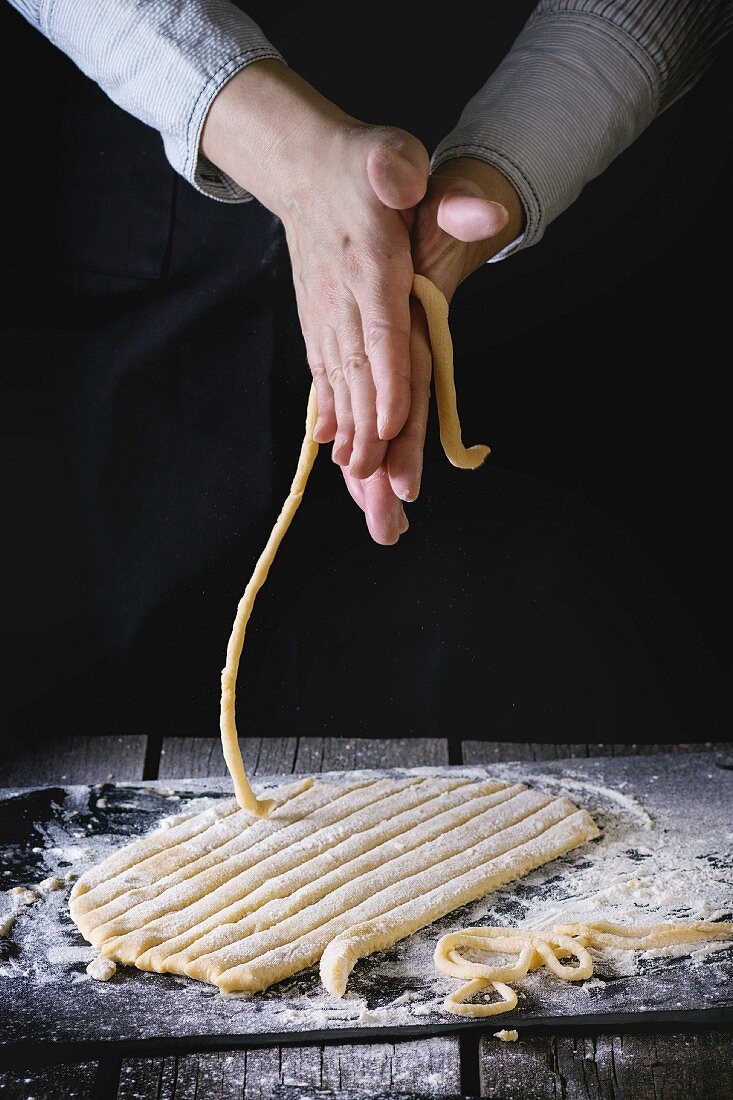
23 895
507 1036
101 969
6 924
53 882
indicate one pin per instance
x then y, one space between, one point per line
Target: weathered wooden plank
276 756
345 753
609 1067
78 759
520 1070
319 1092
67 1082
190 757
494 752
425 1065
147 1079
199 757
429 1065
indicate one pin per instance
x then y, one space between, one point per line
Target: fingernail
502 208
409 495
381 426
338 444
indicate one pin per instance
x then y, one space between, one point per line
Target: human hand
344 192
470 212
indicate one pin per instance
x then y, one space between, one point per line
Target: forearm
582 82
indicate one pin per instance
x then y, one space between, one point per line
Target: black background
577 588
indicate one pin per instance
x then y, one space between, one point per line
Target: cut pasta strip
233 837
535 948
646 937
455 1002
404 876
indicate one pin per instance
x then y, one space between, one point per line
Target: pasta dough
436 311
534 949
337 871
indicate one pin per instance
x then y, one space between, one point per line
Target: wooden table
635 1066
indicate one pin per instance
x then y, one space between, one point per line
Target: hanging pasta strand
436 311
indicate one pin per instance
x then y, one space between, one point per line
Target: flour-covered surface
665 852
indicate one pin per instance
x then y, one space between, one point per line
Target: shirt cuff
573 93
163 61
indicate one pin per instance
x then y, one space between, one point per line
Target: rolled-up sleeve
581 82
163 61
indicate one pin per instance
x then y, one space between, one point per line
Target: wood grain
496 752
609 1067
256 1074
67 1082
192 757
78 759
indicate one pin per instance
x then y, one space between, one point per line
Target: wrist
268 129
495 187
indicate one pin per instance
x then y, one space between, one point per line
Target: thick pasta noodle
534 949
436 312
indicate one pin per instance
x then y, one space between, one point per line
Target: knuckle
318 370
335 374
354 363
378 330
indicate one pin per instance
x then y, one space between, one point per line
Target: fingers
469 218
385 310
326 423
367 450
384 513
405 456
344 435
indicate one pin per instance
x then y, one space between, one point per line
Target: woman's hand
344 192
469 213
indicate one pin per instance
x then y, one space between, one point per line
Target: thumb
468 217
398 172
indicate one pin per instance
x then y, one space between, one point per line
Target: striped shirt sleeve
163 61
582 81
